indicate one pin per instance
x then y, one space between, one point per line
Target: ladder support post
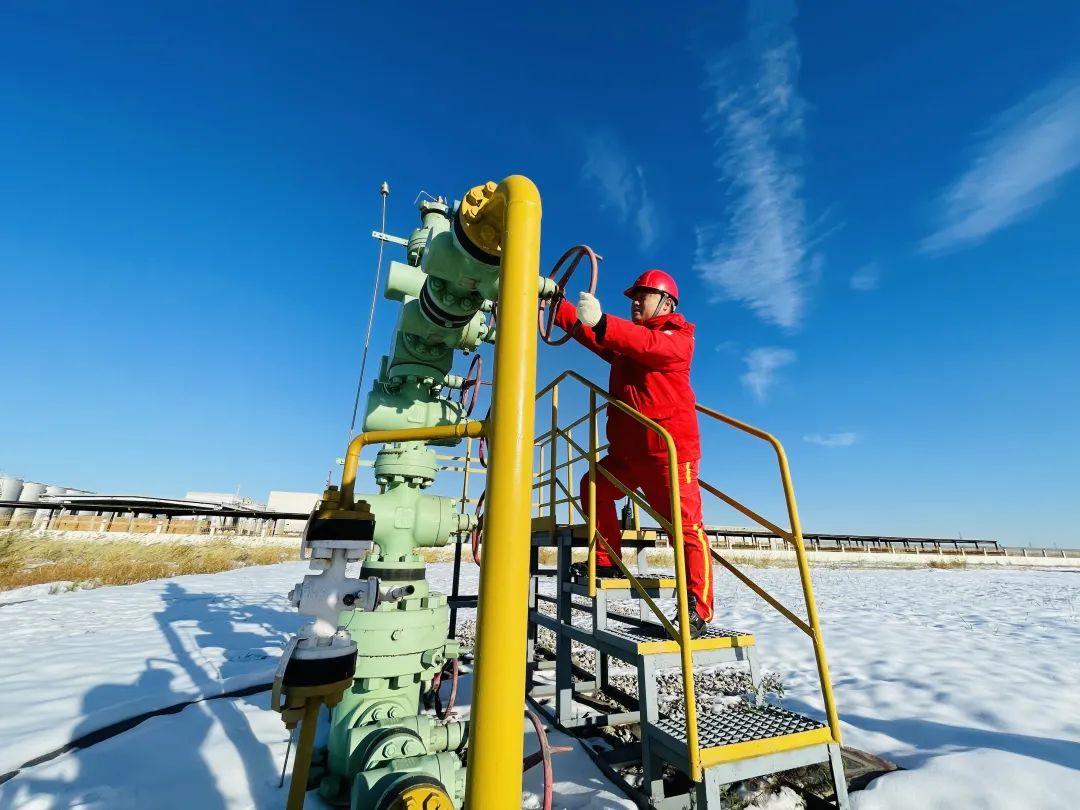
836 762
564 679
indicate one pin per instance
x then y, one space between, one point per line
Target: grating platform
742 725
755 731
654 638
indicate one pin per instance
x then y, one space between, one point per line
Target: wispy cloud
867 277
761 368
1018 162
832 439
620 182
755 114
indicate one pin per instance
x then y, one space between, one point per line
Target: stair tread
742 725
622 583
649 633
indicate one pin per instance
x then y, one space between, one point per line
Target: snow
965 678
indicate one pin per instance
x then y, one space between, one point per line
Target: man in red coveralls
650 371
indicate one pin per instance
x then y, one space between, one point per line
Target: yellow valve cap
422 797
481 219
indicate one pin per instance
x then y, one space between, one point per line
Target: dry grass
26 560
947 564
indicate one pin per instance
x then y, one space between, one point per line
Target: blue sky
871 208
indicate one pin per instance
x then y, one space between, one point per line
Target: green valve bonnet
405 462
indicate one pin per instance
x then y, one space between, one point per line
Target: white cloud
832 439
761 367
867 277
1019 161
757 254
621 184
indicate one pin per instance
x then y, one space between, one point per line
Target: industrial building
33 505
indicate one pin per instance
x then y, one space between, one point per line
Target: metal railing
547 477
673 526
793 535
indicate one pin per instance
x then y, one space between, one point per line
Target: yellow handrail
676 529
796 539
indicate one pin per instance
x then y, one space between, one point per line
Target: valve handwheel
478 529
578 252
543 756
470 386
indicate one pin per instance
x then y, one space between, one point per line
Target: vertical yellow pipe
496 732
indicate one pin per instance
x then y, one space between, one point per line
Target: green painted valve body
380 740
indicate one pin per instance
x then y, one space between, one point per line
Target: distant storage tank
31 493
10 489
43 516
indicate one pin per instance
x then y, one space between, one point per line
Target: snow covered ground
968 679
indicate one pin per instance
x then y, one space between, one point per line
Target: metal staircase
708 750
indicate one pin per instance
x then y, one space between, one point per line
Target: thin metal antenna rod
384 191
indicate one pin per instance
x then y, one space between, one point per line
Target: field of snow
967 679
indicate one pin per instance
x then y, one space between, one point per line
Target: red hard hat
655 280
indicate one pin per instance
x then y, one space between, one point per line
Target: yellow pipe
357 445
496 738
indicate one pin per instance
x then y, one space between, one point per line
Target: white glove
588 309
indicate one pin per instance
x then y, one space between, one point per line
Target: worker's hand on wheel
588 309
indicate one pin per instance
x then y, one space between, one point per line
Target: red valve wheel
547 326
478 529
444 712
470 386
544 756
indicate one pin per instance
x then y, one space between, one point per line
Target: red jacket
650 372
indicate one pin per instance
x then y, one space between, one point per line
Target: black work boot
698 625
580 570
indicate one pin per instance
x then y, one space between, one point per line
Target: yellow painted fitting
496 745
331 497
356 446
483 216
423 797
302 763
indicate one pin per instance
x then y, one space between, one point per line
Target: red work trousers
650 475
